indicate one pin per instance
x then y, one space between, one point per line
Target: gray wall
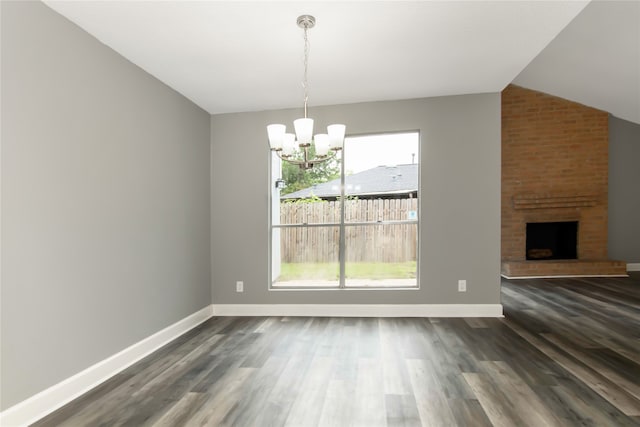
105 202
460 204
624 190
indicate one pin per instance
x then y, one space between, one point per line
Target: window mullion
342 242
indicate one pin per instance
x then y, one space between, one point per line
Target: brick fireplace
554 170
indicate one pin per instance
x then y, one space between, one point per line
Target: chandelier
296 148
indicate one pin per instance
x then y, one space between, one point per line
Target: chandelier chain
305 84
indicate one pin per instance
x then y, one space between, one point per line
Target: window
352 222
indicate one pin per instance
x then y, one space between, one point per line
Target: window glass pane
381 255
304 189
376 210
380 167
304 211
305 257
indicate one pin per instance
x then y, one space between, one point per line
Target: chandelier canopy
296 148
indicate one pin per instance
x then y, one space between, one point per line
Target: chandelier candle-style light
326 144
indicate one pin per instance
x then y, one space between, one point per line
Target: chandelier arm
306 163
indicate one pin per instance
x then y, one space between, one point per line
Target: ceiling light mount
306 21
325 146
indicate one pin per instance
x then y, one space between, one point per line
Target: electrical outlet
239 286
462 286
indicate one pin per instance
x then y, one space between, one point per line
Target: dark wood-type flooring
567 353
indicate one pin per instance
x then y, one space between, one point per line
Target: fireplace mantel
550 201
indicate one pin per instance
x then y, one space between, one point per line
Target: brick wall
554 168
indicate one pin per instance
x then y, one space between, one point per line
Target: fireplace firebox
552 240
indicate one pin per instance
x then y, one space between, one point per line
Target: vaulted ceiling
595 60
232 56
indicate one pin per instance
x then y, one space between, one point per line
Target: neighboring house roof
379 181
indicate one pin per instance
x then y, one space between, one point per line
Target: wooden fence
363 243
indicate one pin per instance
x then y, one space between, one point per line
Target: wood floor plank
467 412
525 401
433 405
493 401
566 353
368 338
368 400
624 381
255 393
307 407
285 392
80 405
621 347
402 411
337 408
184 409
177 369
475 322
609 391
395 375
578 409
425 382
214 410
96 413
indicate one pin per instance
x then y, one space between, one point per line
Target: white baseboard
634 266
56 396
360 310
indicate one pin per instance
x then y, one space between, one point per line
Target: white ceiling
231 56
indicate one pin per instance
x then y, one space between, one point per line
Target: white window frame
274 215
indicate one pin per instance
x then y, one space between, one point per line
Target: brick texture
554 168
563 268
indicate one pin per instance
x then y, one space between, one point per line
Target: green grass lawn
354 270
